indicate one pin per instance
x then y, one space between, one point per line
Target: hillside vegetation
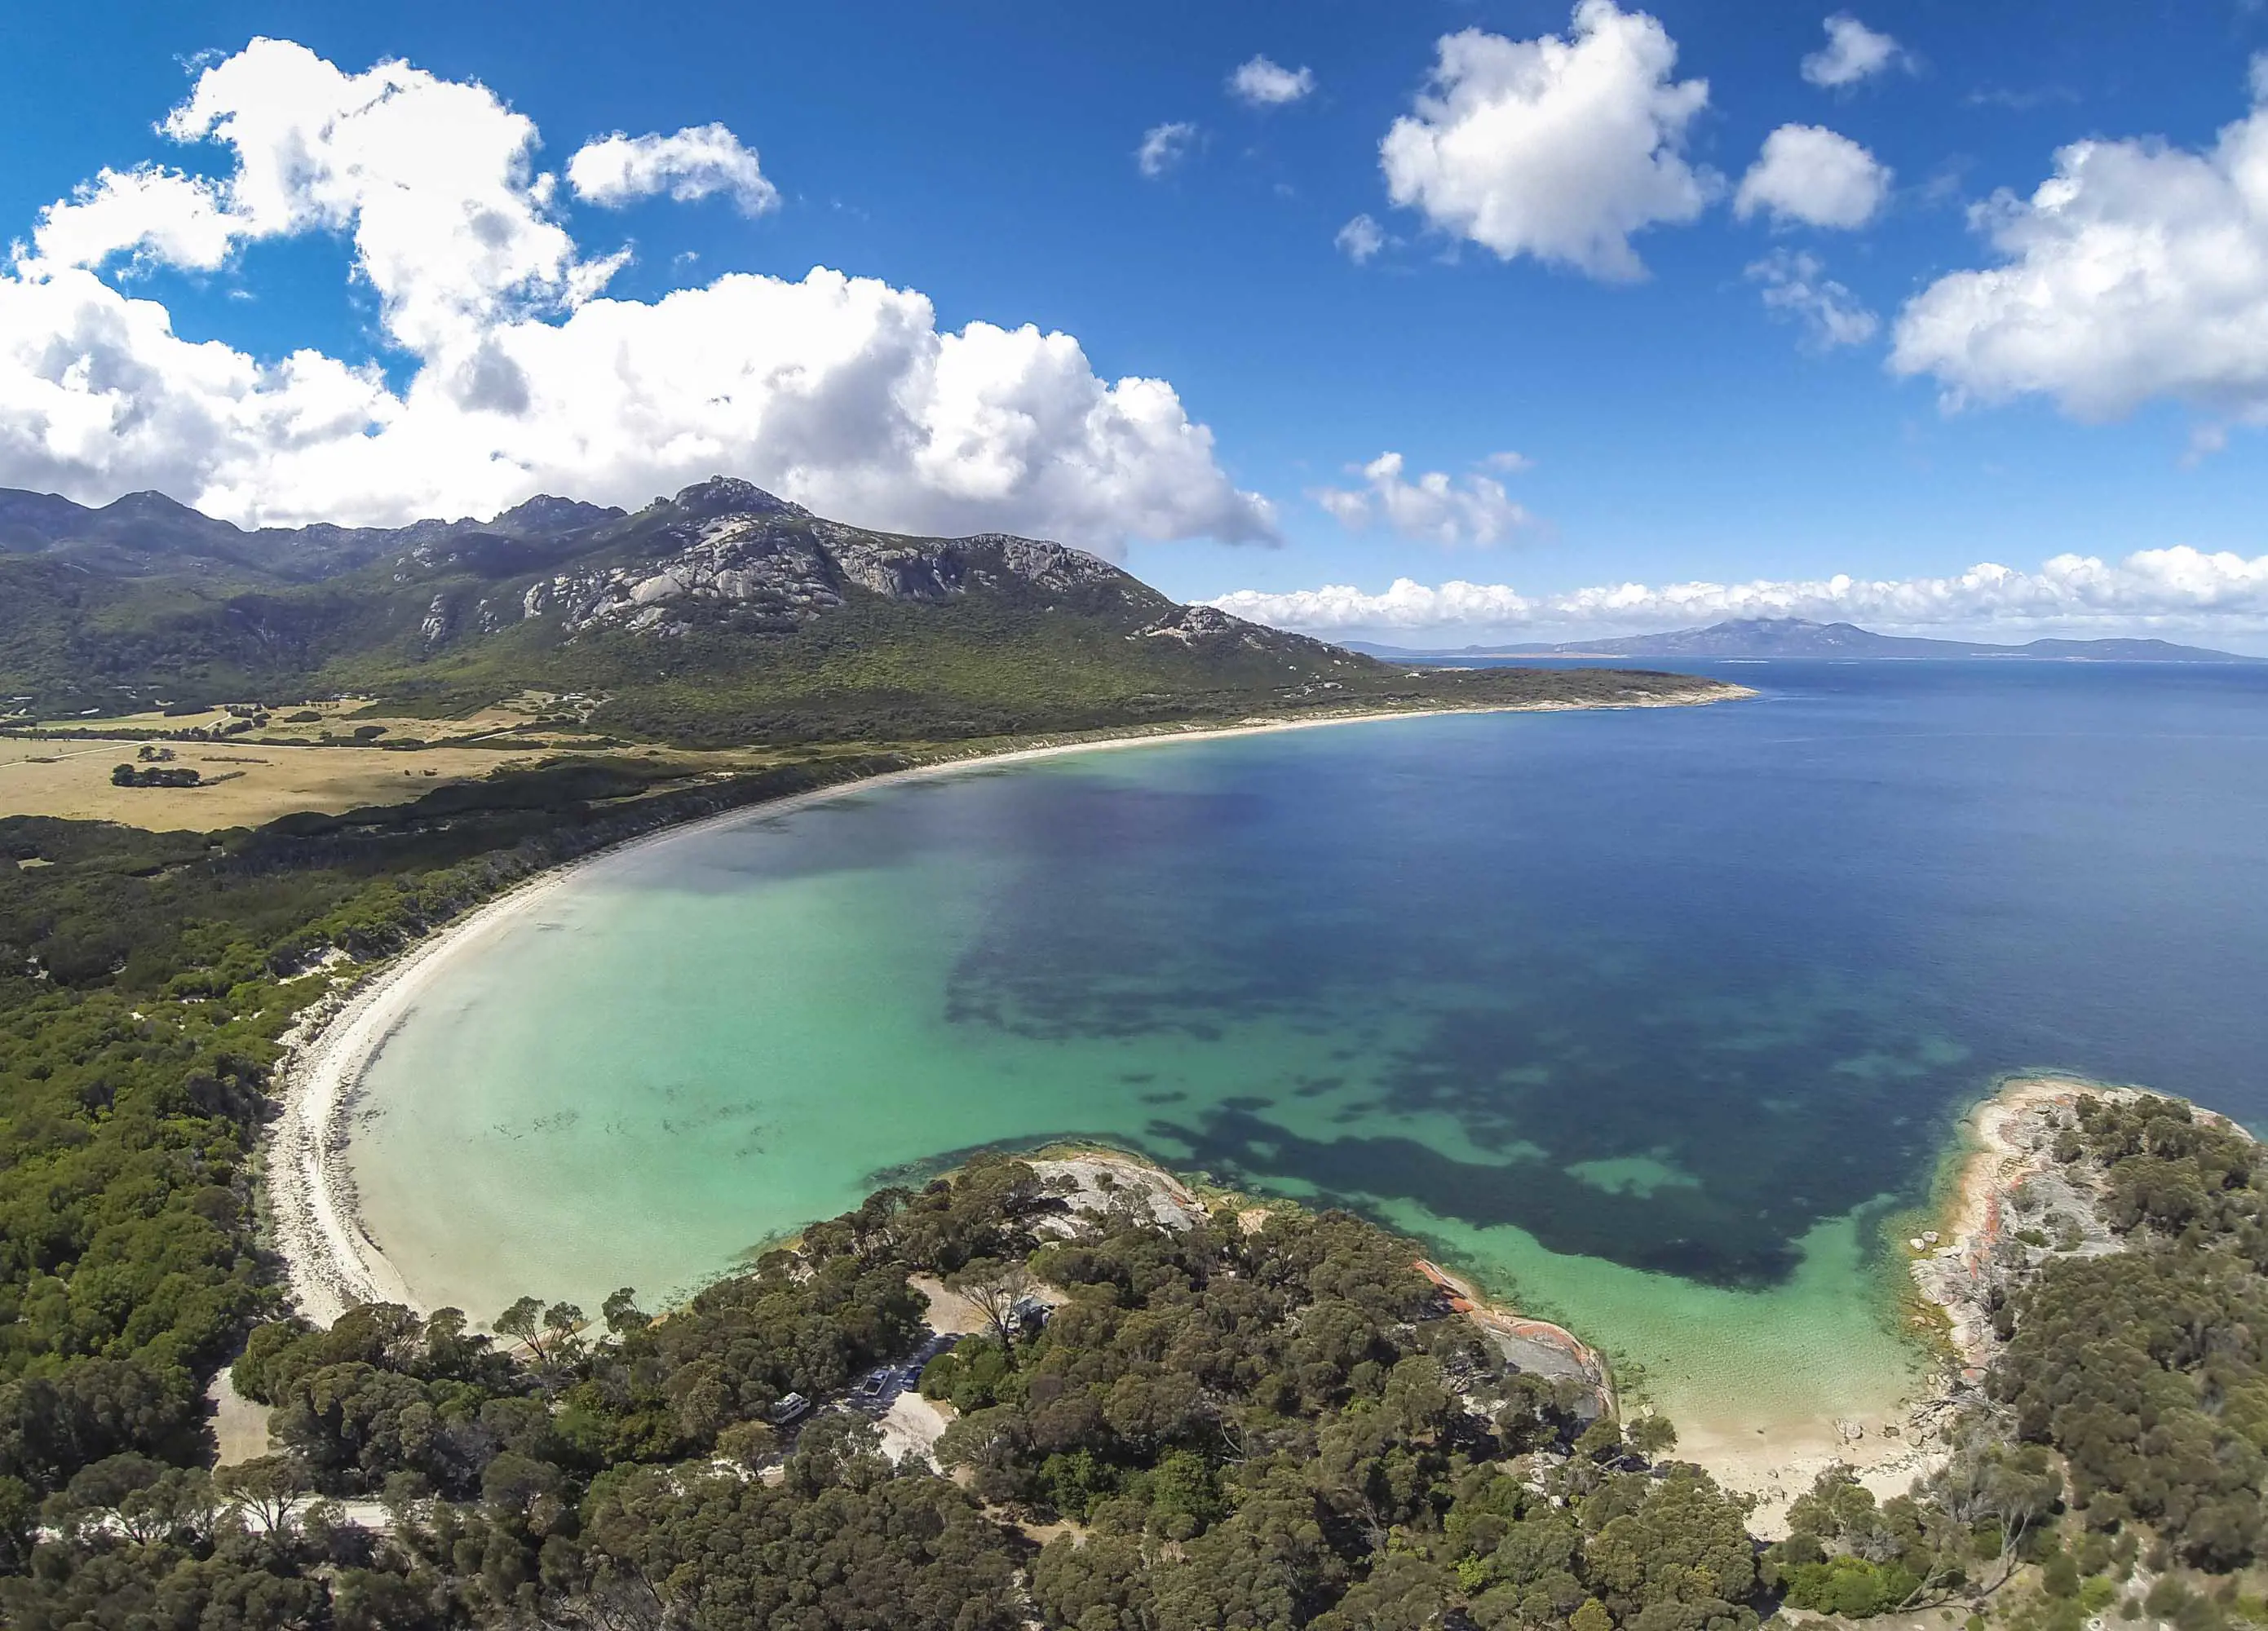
721 616
144 979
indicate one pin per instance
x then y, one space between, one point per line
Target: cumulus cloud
432 179
1165 146
1797 286
1261 83
698 162
842 392
149 214
1360 239
1436 508
2179 588
1556 148
2136 270
1853 52
1814 175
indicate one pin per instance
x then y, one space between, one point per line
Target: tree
562 1321
84 1410
994 1289
524 1319
105 1485
1983 1480
622 1314
181 1502
1678 1542
266 1486
1600 1441
1651 1436
19 1525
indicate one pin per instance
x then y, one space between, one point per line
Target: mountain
150 535
1790 636
722 615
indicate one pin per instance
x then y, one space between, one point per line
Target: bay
1650 1017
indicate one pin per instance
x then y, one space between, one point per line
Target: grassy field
72 779
325 756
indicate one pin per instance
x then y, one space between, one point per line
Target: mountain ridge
722 614
1792 637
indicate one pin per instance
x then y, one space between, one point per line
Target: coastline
2007 1145
330 1259
2002 1142
1973 1245
2001 1150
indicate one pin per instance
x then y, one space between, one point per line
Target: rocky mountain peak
728 494
545 516
152 505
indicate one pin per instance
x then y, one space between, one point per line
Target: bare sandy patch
1778 1462
950 1313
911 1427
239 1425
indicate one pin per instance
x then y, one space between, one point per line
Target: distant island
1795 636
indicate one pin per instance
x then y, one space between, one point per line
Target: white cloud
148 214
1796 285
1475 510
1360 239
839 393
430 178
698 162
1510 462
2136 270
1853 52
1261 83
1557 148
1165 146
1812 174
2179 588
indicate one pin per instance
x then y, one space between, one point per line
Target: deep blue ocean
1772 945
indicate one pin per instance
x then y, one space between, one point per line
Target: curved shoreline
2007 1143
1999 1153
331 1260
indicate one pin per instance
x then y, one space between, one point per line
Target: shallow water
1648 1015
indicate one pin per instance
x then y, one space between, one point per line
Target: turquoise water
1648 1016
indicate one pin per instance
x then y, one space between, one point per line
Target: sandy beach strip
2000 1150
332 1261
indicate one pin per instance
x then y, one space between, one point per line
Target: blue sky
1763 382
